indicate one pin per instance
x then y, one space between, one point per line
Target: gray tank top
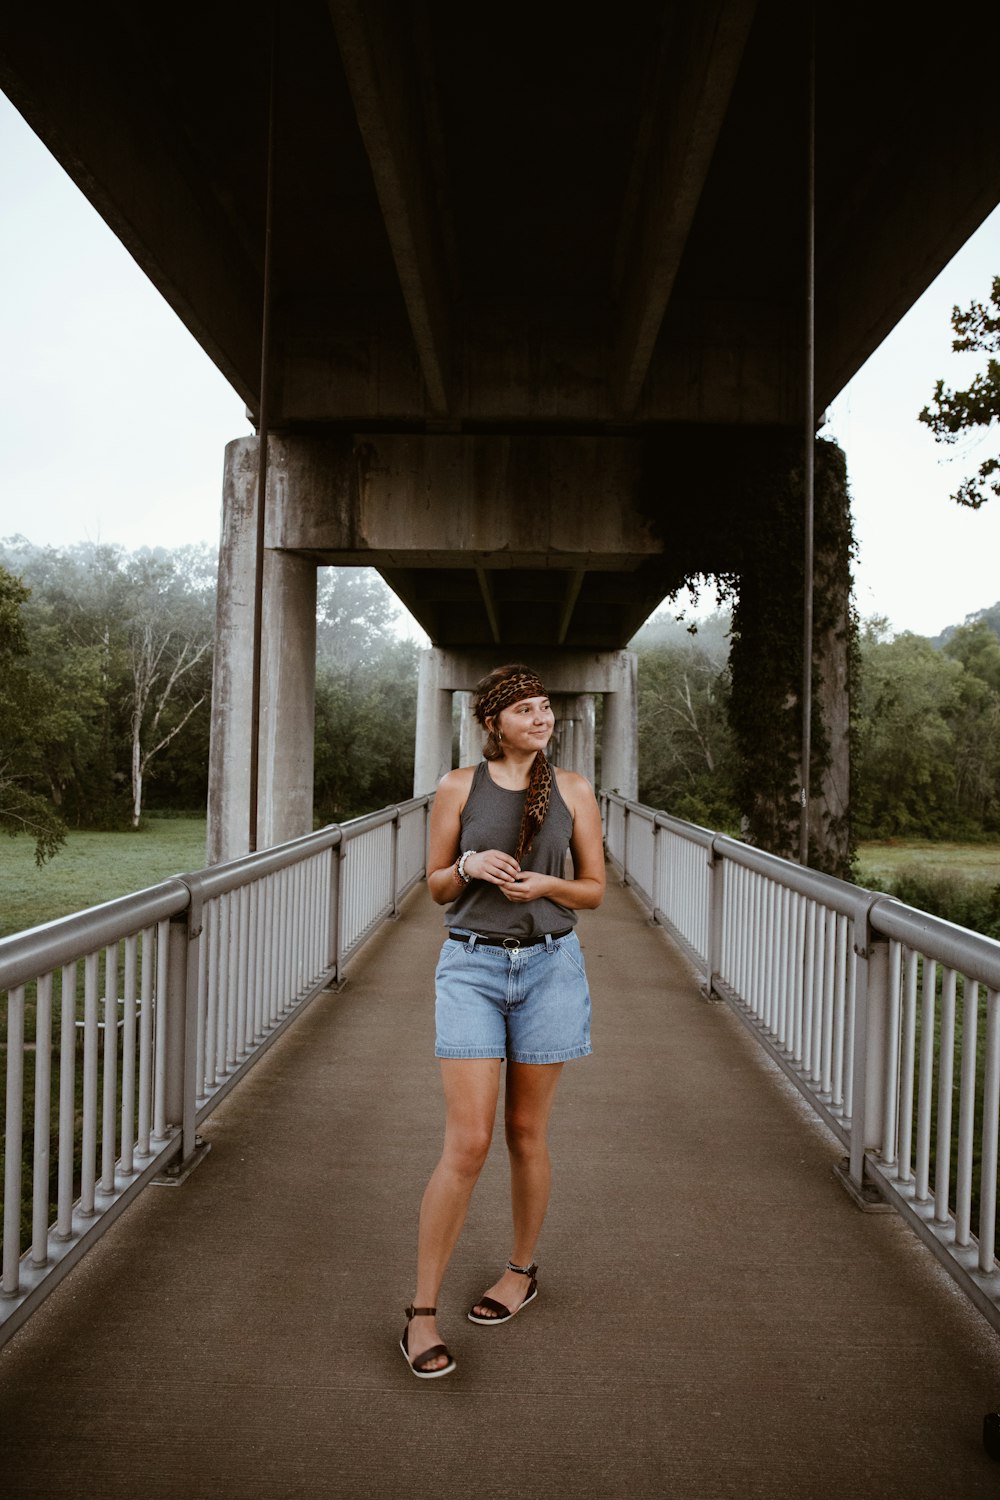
491 819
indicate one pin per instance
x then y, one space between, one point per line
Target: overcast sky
113 422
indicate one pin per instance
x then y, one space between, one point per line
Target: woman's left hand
528 886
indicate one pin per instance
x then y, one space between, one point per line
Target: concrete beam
722 357
683 118
574 583
571 672
489 601
389 114
497 502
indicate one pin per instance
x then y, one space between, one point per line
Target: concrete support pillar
470 732
571 744
432 758
288 699
583 736
620 738
288 676
229 752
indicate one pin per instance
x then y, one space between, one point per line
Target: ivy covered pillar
767 663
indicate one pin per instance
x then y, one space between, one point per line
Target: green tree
905 775
123 640
686 756
355 615
976 724
25 697
952 414
168 624
366 697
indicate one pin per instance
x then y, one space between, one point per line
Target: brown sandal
416 1365
498 1312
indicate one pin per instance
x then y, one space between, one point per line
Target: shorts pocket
570 951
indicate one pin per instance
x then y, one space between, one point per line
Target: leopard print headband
536 802
505 692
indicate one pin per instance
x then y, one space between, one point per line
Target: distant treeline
105 688
926 728
105 694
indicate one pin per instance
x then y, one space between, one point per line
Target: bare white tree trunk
147 669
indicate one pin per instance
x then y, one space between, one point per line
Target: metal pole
262 435
810 440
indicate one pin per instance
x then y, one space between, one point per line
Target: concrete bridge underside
513 292
715 1317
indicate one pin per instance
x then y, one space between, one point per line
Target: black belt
510 943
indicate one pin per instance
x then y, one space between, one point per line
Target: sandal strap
493 1306
531 1270
422 1360
419 1312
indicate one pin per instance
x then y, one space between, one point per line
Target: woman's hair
497 691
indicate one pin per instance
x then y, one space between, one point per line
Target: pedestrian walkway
715 1318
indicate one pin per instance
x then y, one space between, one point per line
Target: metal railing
887 1019
132 1020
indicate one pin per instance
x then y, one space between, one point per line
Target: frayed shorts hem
457 1054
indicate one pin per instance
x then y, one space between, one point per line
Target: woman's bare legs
530 1092
471 1086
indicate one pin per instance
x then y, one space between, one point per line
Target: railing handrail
42 949
975 954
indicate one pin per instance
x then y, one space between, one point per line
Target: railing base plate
868 1198
179 1172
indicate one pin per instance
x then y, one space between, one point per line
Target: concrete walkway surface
714 1316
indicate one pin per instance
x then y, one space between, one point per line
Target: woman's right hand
492 865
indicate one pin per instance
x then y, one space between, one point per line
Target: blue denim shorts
529 1005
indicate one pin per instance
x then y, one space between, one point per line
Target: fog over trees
105 694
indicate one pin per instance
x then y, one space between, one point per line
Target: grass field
966 861
93 867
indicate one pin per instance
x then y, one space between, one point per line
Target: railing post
180 1084
871 1048
334 953
625 843
395 863
713 957
654 884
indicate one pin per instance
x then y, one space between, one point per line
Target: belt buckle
512 944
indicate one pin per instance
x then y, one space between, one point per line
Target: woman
510 984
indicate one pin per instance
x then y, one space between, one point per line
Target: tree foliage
115 636
104 657
928 755
366 697
952 414
107 661
24 702
686 754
